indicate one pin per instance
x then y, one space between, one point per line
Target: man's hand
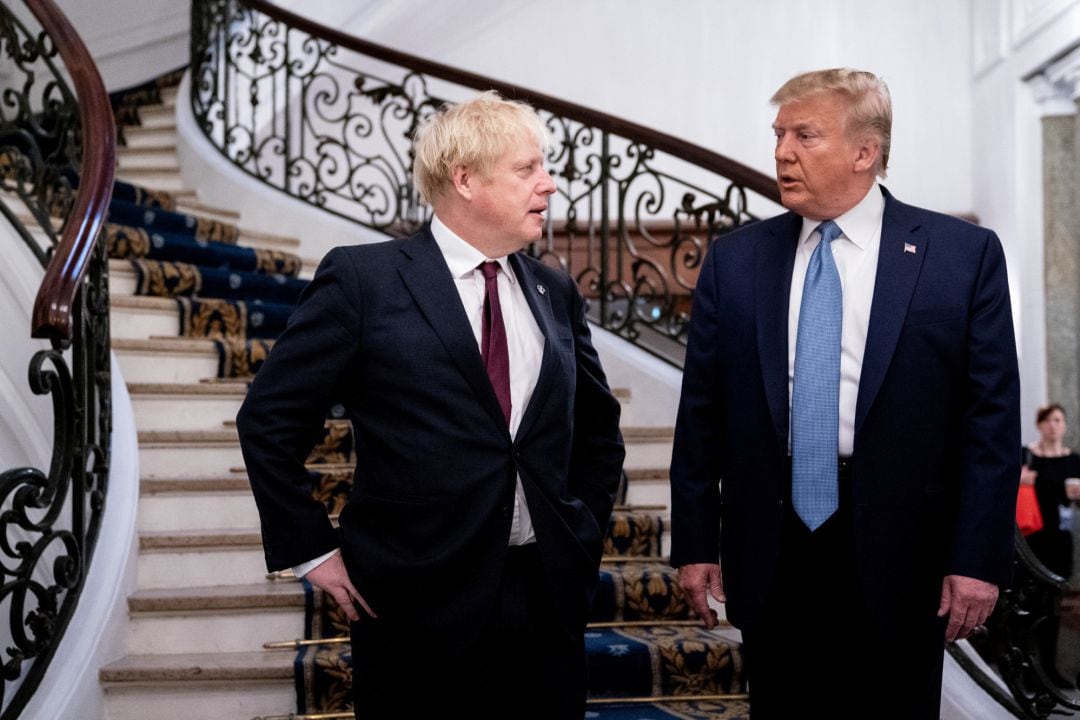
967 602
698 581
332 579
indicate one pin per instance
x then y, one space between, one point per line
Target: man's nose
547 185
783 152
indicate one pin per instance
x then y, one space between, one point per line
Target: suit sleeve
597 451
695 460
285 410
982 545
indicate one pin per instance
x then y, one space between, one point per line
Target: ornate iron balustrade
56 161
328 119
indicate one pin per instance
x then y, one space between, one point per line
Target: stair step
193 206
268 240
211 508
165 359
185 406
135 316
208 686
188 453
157 116
160 137
154 179
647 447
146 157
201 558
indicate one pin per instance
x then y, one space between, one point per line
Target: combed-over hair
472 134
869 103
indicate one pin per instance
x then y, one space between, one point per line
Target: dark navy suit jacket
381 329
936 426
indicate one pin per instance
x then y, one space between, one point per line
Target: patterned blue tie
815 394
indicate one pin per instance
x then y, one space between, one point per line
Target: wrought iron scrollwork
1022 640
333 126
49 521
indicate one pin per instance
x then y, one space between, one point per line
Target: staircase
205 607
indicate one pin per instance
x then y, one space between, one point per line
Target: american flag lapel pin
541 289
909 248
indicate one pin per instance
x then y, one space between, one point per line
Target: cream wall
1013 39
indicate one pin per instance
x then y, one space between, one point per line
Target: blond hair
473 134
868 101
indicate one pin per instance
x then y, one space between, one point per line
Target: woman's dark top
1052 545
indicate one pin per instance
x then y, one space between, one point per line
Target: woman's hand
1027 475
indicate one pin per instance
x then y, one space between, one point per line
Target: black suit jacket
936 427
381 329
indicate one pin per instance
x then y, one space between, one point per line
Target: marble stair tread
200 667
212 484
227 436
199 388
165 343
213 598
190 203
647 434
200 539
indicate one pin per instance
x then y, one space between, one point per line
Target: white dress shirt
856 254
524 342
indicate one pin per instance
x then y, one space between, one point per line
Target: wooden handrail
51 316
743 175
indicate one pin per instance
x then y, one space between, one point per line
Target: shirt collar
461 257
860 224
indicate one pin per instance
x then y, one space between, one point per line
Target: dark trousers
815 654
525 664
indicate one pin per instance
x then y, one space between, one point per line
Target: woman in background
1047 465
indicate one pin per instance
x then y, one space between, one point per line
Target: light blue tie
815 394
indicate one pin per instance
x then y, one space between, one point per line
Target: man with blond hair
487 440
845 465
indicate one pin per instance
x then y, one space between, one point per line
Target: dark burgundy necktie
493 340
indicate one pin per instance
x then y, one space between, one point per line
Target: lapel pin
909 248
541 289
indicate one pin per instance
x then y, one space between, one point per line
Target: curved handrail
51 316
743 175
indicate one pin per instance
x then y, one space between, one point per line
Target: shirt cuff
304 568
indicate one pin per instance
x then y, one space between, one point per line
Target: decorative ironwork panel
333 127
49 519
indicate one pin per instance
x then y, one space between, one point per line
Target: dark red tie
493 339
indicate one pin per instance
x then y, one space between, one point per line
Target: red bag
1028 517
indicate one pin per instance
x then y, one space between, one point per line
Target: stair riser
188 461
141 323
157 117
170 512
169 181
182 569
137 137
149 367
647 455
184 207
180 412
202 700
649 492
137 161
209 632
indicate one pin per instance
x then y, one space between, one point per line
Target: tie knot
829 231
490 269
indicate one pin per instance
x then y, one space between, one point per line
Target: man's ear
868 151
463 181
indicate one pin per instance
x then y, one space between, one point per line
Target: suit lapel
897 271
540 305
428 280
775 258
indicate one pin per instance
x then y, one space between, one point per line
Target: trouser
816 654
524 665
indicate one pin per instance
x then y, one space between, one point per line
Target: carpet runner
648 660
